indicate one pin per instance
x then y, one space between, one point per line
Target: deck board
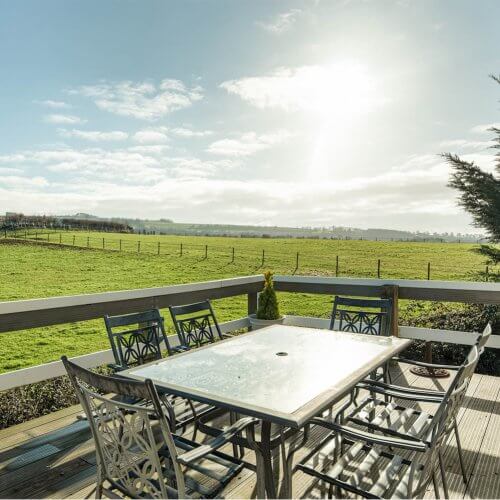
53 456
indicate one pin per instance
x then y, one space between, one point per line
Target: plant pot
256 323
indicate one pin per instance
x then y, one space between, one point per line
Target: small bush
35 400
268 301
469 318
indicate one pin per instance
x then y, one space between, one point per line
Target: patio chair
138 455
378 465
137 339
365 316
399 420
196 324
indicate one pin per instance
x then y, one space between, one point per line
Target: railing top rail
15 306
450 291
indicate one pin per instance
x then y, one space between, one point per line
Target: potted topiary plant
268 312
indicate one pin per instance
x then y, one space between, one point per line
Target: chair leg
436 488
443 475
99 484
460 454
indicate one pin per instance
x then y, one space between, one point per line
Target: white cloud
343 88
54 104
465 144
187 132
484 128
282 22
93 135
63 119
20 182
247 144
142 100
157 135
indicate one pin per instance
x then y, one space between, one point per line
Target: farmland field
33 270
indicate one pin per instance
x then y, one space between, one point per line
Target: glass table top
278 369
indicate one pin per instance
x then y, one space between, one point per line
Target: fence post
392 292
120 245
337 266
206 251
233 256
158 248
428 270
487 273
103 243
263 257
181 250
139 246
297 262
378 269
60 238
73 240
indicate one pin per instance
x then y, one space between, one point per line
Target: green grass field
35 270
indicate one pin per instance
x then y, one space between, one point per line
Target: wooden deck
53 456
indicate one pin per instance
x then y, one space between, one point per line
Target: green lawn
35 270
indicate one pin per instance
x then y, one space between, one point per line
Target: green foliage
442 316
480 193
268 301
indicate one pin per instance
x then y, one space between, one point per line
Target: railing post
139 246
181 250
206 251
263 257
60 238
120 245
337 265
378 269
232 260
158 248
428 270
73 240
103 243
392 292
88 241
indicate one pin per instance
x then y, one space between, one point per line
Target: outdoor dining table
283 375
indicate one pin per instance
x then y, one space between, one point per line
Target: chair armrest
115 367
350 432
424 364
223 438
413 396
368 384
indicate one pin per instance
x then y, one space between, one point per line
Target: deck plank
54 456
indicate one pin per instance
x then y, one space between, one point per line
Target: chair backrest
127 444
483 337
195 324
351 315
136 338
443 421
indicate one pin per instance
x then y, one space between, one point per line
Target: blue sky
298 113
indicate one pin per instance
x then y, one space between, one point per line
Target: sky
290 113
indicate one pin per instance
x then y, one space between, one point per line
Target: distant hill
167 226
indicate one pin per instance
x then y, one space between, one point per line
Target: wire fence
291 261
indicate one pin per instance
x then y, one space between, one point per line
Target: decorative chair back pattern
126 446
140 344
195 324
362 321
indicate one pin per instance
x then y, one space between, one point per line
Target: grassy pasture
35 270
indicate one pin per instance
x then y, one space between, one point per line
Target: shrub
469 318
268 301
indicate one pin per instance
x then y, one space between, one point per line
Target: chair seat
390 418
364 470
208 475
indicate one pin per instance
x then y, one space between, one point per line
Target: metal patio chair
139 338
399 420
378 465
364 316
136 338
138 455
196 324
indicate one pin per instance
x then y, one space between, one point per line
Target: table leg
265 444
